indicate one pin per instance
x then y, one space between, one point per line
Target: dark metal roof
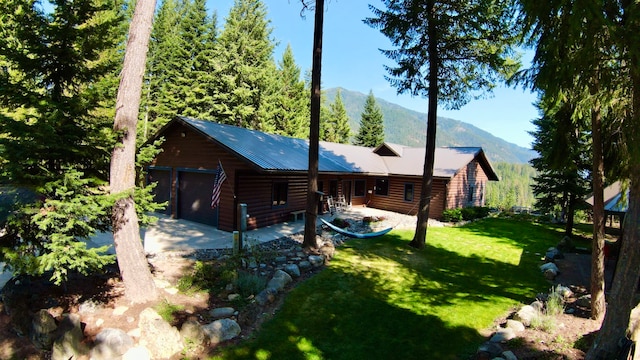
272 152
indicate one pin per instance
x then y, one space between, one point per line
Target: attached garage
162 192
194 196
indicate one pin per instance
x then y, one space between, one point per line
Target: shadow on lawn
355 310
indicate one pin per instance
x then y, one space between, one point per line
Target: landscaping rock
488 350
221 330
192 330
111 344
584 301
526 314
266 296
43 327
549 266
316 260
157 335
564 292
137 353
538 305
515 325
503 335
69 344
553 254
304 265
292 269
223 312
279 280
509 355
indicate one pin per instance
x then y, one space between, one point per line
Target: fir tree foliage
75 208
336 125
563 165
291 111
371 132
244 87
450 52
57 86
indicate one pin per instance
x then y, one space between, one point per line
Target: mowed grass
381 299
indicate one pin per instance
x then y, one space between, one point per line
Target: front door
346 191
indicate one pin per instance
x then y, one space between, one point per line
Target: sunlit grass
381 299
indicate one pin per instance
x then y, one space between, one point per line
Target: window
408 192
320 186
382 187
279 193
359 188
471 195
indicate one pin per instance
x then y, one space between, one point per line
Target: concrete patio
169 234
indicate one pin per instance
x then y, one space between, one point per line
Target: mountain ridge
408 127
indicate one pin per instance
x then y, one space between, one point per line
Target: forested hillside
514 187
408 127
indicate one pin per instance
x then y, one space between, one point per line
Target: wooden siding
186 150
255 190
470 177
394 201
195 152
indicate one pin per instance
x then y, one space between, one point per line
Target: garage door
162 191
194 197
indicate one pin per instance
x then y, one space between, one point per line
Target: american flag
221 176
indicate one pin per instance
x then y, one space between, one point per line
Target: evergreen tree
371 132
336 128
164 81
244 87
54 132
448 51
291 112
563 166
198 35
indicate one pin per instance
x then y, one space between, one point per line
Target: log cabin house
269 173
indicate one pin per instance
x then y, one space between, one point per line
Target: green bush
250 284
452 215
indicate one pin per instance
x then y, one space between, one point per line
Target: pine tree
54 132
162 96
292 107
198 35
562 165
336 128
448 51
371 132
244 87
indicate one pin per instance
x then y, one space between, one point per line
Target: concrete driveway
169 234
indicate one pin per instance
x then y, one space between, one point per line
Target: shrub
208 275
250 284
452 215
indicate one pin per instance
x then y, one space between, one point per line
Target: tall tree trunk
314 131
420 237
568 230
615 326
139 285
597 252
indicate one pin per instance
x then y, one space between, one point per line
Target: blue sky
352 60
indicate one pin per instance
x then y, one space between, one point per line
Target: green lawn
381 299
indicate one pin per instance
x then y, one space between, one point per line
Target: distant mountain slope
408 127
